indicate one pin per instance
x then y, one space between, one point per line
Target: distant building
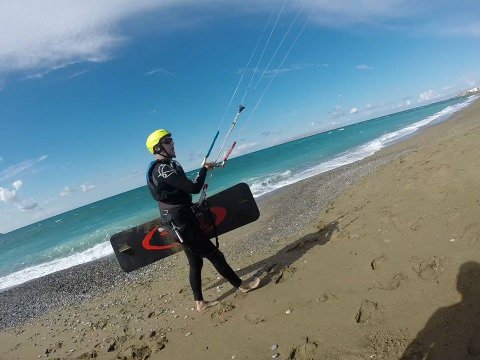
475 90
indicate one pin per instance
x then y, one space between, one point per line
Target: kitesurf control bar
203 194
228 154
225 158
211 147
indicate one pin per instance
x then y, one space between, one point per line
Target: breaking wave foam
278 180
34 272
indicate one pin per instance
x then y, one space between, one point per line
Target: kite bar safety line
264 48
275 75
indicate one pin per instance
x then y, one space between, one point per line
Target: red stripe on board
146 241
220 214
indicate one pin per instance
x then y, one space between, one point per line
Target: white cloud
427 95
51 34
78 73
430 17
86 188
364 67
245 147
43 36
273 133
66 192
10 197
340 13
159 71
41 74
469 30
20 168
353 110
338 112
287 69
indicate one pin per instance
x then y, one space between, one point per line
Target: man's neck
162 158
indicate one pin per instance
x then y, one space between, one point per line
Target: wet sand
377 260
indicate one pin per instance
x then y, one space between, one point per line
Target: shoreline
70 290
279 190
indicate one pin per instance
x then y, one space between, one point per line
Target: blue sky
83 83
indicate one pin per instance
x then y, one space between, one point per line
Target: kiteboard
142 245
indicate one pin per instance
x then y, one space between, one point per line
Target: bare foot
246 287
203 305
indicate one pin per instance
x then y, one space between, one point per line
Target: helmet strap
166 154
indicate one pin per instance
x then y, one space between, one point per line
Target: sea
82 235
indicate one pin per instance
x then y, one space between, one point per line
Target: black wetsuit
172 189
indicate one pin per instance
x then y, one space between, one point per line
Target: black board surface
144 244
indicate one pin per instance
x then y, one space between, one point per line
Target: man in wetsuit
173 191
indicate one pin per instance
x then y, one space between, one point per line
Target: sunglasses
167 141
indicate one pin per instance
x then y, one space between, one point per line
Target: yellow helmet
155 137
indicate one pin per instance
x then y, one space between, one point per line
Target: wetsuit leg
195 276
220 263
197 247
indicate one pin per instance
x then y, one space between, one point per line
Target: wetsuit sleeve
178 180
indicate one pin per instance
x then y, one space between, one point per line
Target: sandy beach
376 260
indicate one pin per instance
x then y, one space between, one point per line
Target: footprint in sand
386 283
112 344
427 269
305 351
222 314
324 298
391 284
416 224
285 274
472 234
160 340
272 271
88 355
366 311
136 353
254 319
378 262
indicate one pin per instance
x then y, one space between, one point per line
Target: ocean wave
34 272
260 186
275 181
